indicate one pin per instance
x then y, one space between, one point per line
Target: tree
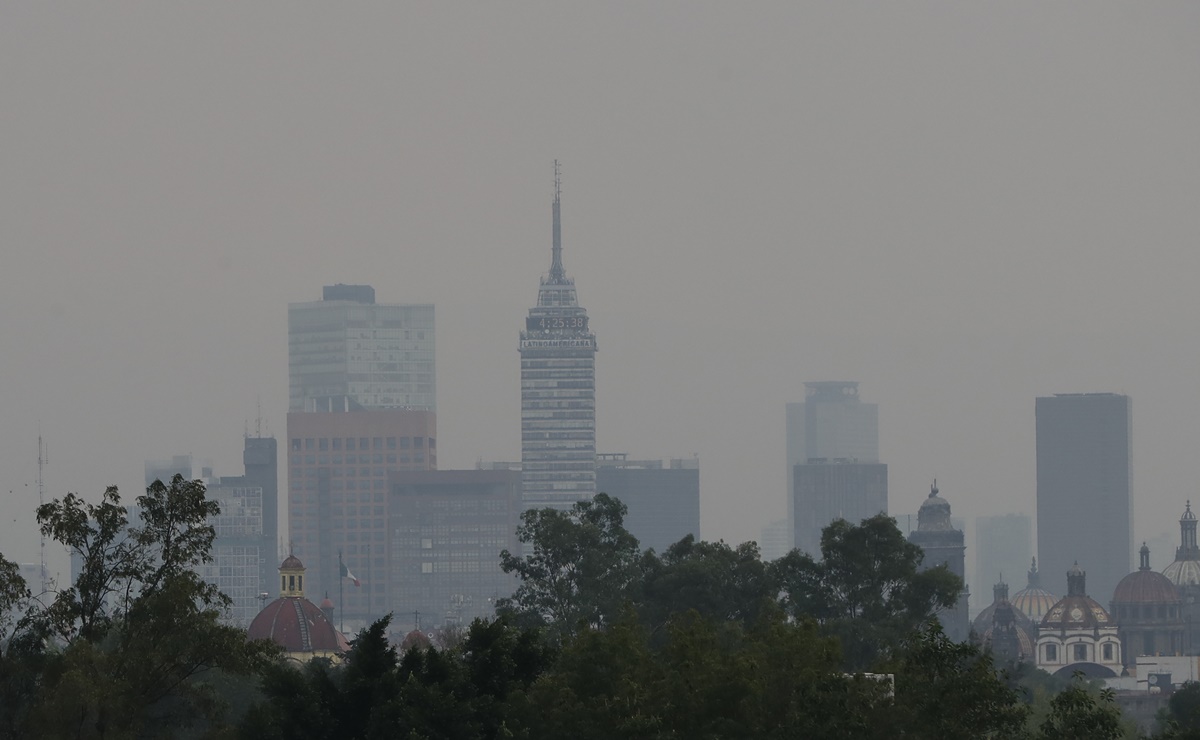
138 635
1079 714
867 589
579 567
719 582
949 689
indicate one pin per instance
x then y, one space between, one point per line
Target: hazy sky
960 205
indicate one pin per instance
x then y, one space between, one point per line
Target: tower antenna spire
43 460
557 273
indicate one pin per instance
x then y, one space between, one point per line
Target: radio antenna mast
43 460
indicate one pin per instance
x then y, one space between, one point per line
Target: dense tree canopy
599 640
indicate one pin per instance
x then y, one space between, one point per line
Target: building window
1052 653
308 443
323 443
378 442
391 443
337 443
1080 652
1108 651
350 443
426 543
418 442
296 444
426 567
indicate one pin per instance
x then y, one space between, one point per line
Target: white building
1077 634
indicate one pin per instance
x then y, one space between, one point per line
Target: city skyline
791 193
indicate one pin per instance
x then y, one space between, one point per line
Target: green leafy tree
1181 719
868 589
579 565
137 639
946 689
1077 713
719 582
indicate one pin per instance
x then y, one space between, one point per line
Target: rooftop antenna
43 460
258 418
557 274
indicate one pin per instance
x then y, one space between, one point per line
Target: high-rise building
347 353
663 500
1003 546
337 497
447 529
1084 477
832 426
362 403
827 490
944 545
558 389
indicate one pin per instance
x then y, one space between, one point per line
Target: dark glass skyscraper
1084 506
558 390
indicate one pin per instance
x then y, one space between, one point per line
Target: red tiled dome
298 625
1146 587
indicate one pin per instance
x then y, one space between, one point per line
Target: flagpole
341 596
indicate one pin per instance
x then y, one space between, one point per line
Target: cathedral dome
1076 610
1002 613
295 623
1185 571
934 514
1034 601
1145 586
298 626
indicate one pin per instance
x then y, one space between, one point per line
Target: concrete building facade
825 490
446 530
832 426
1084 485
663 498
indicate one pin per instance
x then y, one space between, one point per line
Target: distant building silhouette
362 403
943 545
1084 501
833 461
447 529
1003 546
832 425
558 389
827 490
663 500
1184 573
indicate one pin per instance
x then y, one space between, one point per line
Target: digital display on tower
556 323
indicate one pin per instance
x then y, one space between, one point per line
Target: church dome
934 514
1002 612
1185 571
1076 610
1034 601
1145 586
297 625
292 621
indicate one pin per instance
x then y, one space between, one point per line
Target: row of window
360 443
1080 652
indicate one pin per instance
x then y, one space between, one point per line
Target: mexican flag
347 574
